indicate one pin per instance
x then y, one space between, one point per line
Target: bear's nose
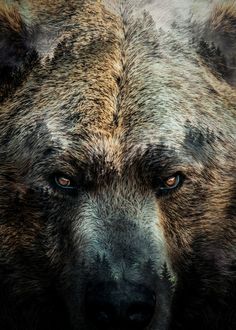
119 306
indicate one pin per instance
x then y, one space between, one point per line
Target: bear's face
117 176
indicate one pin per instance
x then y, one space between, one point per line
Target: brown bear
117 165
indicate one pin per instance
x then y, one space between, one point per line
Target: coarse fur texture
117 96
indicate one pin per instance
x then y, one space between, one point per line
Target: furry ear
17 49
218 46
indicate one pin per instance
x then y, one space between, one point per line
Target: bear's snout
120 305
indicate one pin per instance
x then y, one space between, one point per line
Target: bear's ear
17 49
218 44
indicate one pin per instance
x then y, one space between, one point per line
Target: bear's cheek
21 217
182 220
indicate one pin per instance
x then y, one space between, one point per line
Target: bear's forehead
102 113
117 91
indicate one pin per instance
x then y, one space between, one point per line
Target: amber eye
171 183
64 182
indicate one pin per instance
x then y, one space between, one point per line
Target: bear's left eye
64 182
171 182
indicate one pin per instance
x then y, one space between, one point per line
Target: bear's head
117 165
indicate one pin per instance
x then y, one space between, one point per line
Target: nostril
102 315
139 315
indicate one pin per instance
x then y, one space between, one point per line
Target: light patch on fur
58 135
164 13
47 42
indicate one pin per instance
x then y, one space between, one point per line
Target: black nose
119 306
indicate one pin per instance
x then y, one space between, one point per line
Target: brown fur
223 18
10 18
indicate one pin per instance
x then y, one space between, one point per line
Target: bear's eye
171 182
64 182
